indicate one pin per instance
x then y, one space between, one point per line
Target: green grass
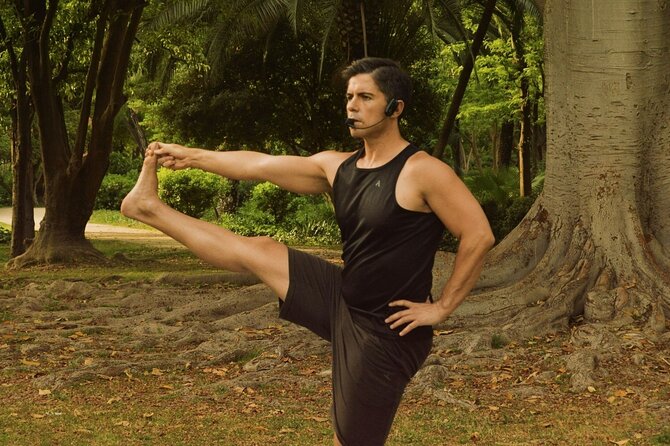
662 438
138 264
114 218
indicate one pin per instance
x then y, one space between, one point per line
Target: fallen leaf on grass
591 389
217 372
147 415
156 372
43 392
88 361
77 335
4 346
167 387
621 393
113 400
318 419
37 415
286 430
30 363
123 423
620 442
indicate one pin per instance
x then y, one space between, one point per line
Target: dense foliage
269 82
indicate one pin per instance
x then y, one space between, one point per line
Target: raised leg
261 256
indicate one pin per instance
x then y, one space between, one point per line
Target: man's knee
263 244
267 259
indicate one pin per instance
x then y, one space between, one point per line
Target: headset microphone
390 109
351 123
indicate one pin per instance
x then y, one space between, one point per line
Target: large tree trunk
73 174
596 244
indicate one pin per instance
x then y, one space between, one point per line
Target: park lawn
192 405
188 408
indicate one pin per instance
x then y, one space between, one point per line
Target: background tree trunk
73 174
596 244
505 145
23 218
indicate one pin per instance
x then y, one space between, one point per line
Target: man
392 203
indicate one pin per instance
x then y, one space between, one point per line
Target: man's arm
303 175
452 202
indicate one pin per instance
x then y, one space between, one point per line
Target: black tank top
388 251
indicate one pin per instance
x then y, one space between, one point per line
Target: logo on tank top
378 183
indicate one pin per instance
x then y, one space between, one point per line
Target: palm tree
362 27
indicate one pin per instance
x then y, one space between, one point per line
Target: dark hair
387 74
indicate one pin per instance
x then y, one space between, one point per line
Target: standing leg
261 256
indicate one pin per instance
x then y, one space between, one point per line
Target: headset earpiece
391 106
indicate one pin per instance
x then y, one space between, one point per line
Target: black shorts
370 372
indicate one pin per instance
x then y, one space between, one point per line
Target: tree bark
524 145
464 78
596 244
504 148
23 218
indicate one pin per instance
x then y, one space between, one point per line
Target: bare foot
143 198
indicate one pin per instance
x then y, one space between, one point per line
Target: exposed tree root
67 250
572 281
519 253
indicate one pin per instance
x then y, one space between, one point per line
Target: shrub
5 184
305 220
313 221
271 199
122 163
112 190
191 191
5 235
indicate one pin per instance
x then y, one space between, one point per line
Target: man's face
365 102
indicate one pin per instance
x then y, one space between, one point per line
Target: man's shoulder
427 172
331 158
422 160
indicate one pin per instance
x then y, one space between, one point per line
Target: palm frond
452 9
329 14
529 7
295 11
176 12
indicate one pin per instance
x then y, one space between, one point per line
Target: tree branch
45 31
63 72
89 87
124 56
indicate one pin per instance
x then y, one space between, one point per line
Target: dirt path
93 230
